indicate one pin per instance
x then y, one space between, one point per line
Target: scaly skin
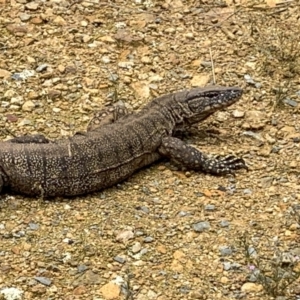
116 148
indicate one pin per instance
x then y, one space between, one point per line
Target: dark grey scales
116 145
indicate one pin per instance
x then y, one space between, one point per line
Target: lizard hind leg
193 159
106 116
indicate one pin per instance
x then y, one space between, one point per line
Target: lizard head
200 103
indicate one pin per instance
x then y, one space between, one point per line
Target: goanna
116 146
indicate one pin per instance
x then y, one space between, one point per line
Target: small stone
200 80
227 265
42 67
106 60
11 118
294 227
56 109
255 119
9 93
238 114
33 226
110 291
225 250
290 102
183 214
124 236
86 38
32 95
24 122
11 293
201 226
224 223
61 68
17 30
24 17
16 100
250 287
28 106
120 259
224 280
254 135
249 79
4 73
36 20
84 23
247 192
161 249
136 247
145 209
59 21
87 278
81 268
189 35
146 60
148 239
252 252
32 5
43 280
209 207
79 290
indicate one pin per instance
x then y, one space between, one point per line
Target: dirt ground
164 233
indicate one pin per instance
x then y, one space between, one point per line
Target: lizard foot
224 165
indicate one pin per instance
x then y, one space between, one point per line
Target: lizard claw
226 165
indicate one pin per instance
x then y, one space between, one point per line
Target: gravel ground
163 233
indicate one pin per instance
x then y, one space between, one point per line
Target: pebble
250 287
59 21
81 268
136 247
4 104
42 68
224 280
225 250
32 5
33 226
252 252
125 236
11 293
254 135
227 265
56 109
43 280
24 122
224 223
28 106
148 239
16 100
120 259
290 102
238 114
110 291
145 209
209 207
24 17
183 214
255 119
4 73
201 226
247 191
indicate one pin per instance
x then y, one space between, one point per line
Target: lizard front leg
107 115
193 159
30 139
